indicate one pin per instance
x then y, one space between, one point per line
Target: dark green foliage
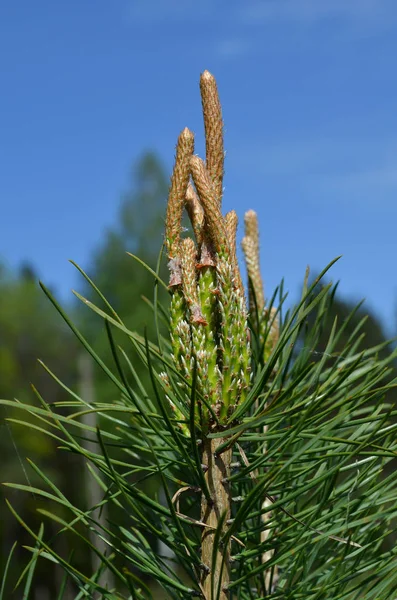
321 463
30 328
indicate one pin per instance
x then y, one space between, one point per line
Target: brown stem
216 474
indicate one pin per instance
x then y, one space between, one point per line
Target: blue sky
309 90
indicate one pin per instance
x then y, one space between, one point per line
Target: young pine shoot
270 463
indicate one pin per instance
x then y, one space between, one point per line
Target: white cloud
312 11
171 10
233 47
349 170
296 156
375 181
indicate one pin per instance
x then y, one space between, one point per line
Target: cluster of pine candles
211 344
269 434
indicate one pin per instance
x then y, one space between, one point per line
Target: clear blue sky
309 90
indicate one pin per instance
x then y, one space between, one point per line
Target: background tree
30 330
351 314
121 279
